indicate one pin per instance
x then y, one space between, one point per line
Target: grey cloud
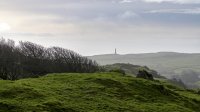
126 1
86 10
175 1
177 11
128 15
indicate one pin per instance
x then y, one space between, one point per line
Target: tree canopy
31 60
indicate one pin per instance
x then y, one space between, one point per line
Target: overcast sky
92 27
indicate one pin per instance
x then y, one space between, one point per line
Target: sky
92 27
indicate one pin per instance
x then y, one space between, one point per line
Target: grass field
97 92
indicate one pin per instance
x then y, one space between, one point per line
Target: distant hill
168 64
132 69
102 92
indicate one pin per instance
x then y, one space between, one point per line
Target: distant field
95 92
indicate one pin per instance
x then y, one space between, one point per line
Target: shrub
144 74
198 92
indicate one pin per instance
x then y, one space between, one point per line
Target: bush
198 92
144 74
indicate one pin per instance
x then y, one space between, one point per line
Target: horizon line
146 53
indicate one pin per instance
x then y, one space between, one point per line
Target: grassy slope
95 92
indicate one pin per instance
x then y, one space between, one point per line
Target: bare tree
32 60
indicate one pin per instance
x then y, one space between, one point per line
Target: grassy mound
95 92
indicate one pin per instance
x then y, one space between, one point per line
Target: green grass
97 92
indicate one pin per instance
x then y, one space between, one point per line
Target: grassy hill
95 92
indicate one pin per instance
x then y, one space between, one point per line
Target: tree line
32 60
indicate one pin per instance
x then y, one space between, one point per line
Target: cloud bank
98 26
175 1
177 11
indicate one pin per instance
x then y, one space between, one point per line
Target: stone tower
115 51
